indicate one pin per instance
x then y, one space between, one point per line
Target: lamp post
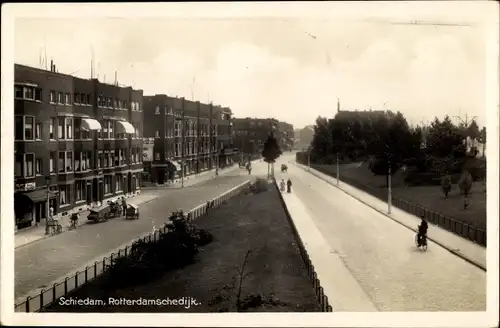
338 169
309 161
47 210
182 141
389 185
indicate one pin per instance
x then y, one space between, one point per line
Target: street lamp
182 141
47 210
389 181
338 169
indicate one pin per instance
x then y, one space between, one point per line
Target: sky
290 67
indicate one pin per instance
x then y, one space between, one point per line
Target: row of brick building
80 141
250 135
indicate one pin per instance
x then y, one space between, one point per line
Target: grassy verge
252 264
430 197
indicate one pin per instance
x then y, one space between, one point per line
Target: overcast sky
290 68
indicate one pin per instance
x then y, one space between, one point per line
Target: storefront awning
178 166
37 196
126 126
90 124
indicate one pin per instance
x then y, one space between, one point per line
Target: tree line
385 138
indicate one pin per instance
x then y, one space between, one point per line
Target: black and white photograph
250 163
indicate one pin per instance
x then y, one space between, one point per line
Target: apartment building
77 142
189 137
250 134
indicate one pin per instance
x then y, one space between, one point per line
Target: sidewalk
31 235
467 250
343 291
195 179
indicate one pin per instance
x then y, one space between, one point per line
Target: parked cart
132 212
100 214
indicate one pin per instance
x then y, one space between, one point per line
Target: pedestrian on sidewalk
289 185
282 185
124 206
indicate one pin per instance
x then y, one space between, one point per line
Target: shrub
175 248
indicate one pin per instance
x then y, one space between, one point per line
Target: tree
482 139
271 152
444 138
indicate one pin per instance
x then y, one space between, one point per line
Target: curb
47 236
448 248
320 294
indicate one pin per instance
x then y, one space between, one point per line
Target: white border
473 12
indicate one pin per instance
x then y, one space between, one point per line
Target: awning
178 166
90 124
37 196
127 127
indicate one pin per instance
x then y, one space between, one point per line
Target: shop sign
26 186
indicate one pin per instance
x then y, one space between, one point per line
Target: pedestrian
124 206
289 185
282 185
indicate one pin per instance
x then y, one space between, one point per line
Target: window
111 154
107 184
67 98
110 102
118 182
157 133
60 128
19 127
99 101
137 106
79 190
177 149
125 104
64 195
29 163
28 127
69 161
69 128
38 131
106 159
60 98
52 159
132 105
29 93
157 110
76 98
115 102
51 128
38 166
18 169
157 156
99 160
18 91
120 104
65 163
52 97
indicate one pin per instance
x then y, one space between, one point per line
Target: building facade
77 142
250 134
188 137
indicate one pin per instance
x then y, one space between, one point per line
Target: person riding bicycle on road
422 229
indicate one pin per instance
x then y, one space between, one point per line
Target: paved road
42 263
382 257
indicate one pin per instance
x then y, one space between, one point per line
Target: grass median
430 197
252 264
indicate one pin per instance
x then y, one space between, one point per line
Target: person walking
124 206
289 185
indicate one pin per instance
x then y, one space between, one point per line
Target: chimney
51 65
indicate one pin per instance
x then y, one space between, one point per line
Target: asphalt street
42 263
382 257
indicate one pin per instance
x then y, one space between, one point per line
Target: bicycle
73 221
55 227
422 244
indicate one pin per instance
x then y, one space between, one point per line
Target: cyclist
422 230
